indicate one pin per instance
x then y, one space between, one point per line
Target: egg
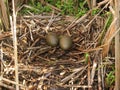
52 39
65 42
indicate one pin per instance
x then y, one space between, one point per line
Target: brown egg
52 39
65 42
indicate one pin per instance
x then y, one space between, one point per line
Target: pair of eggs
65 42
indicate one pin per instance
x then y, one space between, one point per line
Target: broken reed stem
15 45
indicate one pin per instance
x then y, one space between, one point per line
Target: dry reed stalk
110 32
4 14
89 4
117 45
100 74
94 3
93 71
88 71
13 28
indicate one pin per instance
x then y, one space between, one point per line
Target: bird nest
42 67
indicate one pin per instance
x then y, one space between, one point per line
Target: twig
93 70
30 31
53 7
39 17
50 22
89 61
102 73
78 86
2 61
6 86
99 74
73 75
76 21
80 73
10 81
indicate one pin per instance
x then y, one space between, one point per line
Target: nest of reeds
42 67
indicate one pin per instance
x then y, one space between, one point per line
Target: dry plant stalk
117 46
91 3
4 14
107 41
13 28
